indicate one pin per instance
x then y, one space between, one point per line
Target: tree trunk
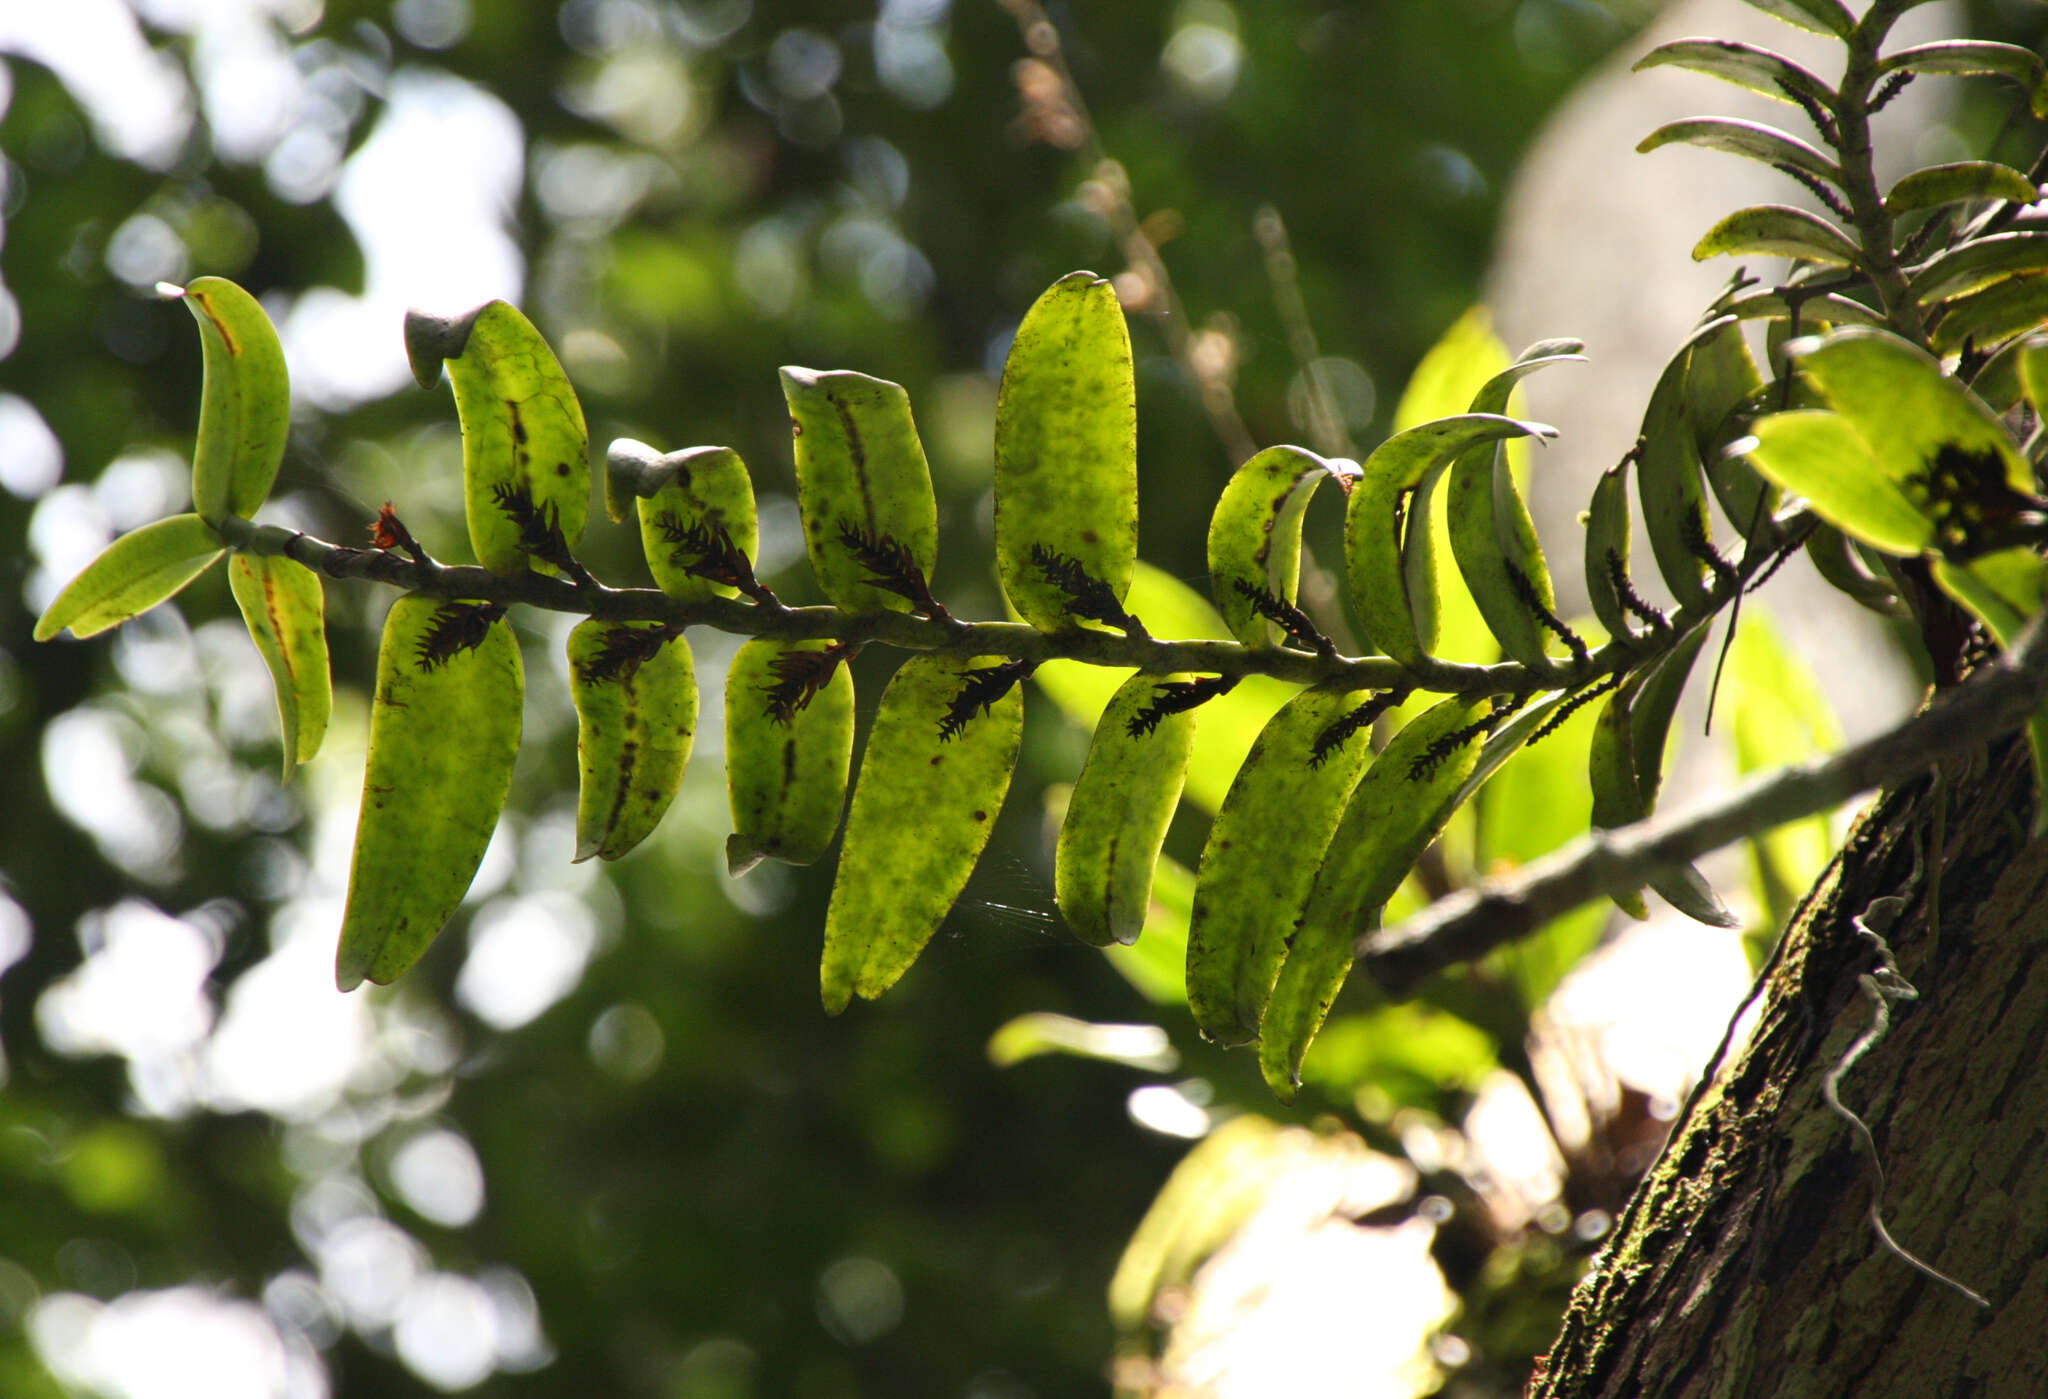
1747 1264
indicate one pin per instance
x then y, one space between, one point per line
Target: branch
1013 640
1469 924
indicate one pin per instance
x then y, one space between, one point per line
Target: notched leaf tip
430 339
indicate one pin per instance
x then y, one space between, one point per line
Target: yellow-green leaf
133 574
286 610
444 731
1066 494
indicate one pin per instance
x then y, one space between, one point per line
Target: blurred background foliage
604 1140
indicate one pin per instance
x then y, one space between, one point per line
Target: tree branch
1469 924
1014 640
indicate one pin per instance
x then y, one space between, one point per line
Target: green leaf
285 609
1157 963
1818 455
1814 16
1976 58
690 503
1450 380
444 732
1255 534
1534 804
1378 578
1398 807
1825 309
1066 453
1492 537
1779 716
1042 1032
922 811
1745 65
525 449
133 574
1979 263
1778 230
1229 722
785 776
1836 562
634 685
1773 147
1722 390
1921 425
863 488
1117 817
1998 312
1965 180
2004 590
2030 366
245 404
1669 480
1263 851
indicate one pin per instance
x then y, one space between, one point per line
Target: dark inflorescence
1820 189
457 627
892 568
1823 121
1424 765
1892 87
1525 591
540 530
1285 615
1336 735
1087 595
1694 533
799 674
706 550
1573 705
984 686
1633 601
627 648
1177 697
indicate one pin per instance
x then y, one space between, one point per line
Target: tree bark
1747 1264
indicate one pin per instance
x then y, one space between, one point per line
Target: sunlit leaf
1936 185
1976 58
1777 230
864 491
285 609
133 574
925 802
1746 138
1066 489
444 731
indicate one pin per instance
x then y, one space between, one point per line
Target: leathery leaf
245 403
1397 809
1116 819
1255 535
444 731
133 574
1066 491
863 489
635 689
1264 848
1378 579
697 519
922 811
286 611
525 449
785 766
